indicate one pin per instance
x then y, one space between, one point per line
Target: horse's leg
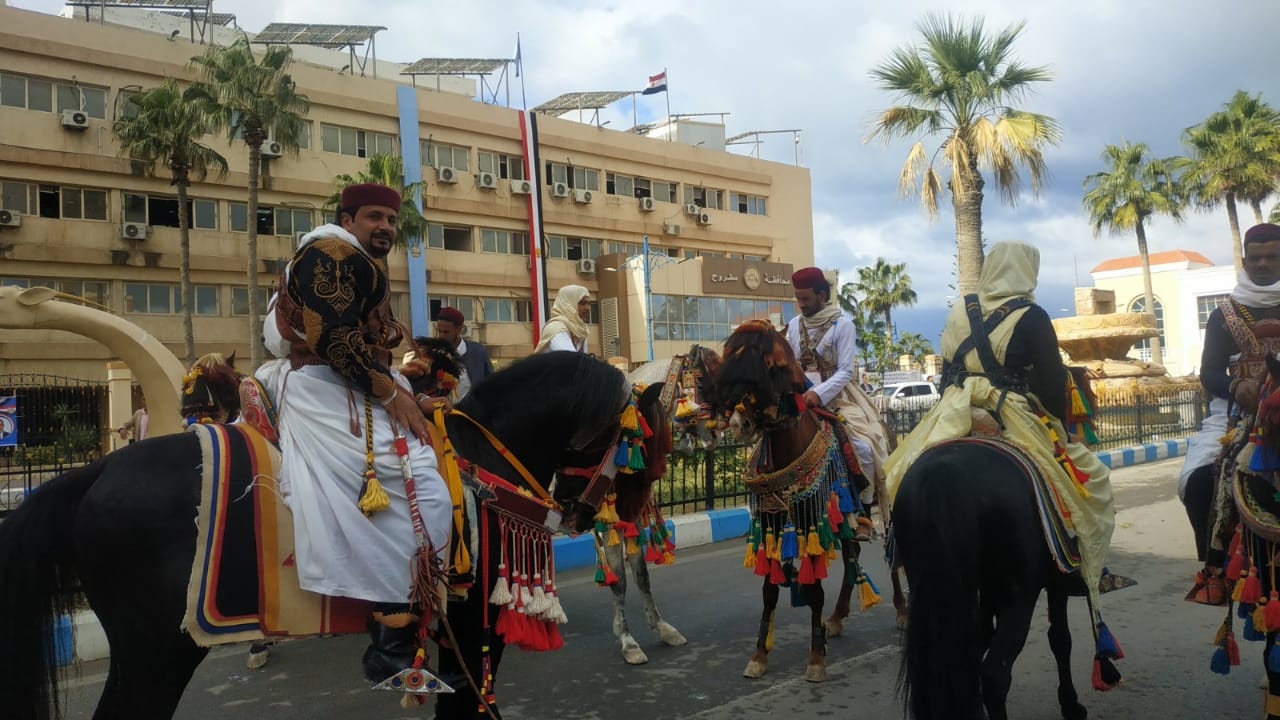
899 597
816 671
759 662
666 631
1012 625
631 652
467 622
835 623
1060 644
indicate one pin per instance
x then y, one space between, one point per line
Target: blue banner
8 421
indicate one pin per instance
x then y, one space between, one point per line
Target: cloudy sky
1141 70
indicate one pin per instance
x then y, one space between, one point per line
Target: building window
464 305
292 220
507 310
165 299
54 201
746 204
579 248
304 135
266 222
504 241
20 91
162 211
91 290
711 319
1143 346
593 317
624 185
84 204
1205 305
358 143
16 196
703 197
574 177
240 300
449 237
436 155
613 247
660 190
504 166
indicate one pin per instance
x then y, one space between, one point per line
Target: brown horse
803 484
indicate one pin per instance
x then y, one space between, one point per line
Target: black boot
391 651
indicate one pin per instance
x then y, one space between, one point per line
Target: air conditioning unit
521 187
134 231
487 180
670 229
10 218
271 149
582 196
586 266
704 218
75 119
560 190
446 174
647 204
692 209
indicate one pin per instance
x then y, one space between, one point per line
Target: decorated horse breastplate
1256 339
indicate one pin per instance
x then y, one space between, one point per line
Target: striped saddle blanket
244 581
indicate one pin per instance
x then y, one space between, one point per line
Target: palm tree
915 345
254 100
1237 157
867 325
960 84
166 129
1133 187
387 170
883 287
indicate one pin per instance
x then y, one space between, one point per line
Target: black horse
121 531
968 533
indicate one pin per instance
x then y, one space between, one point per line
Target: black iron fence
701 480
1149 413
60 423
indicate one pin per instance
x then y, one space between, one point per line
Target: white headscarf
564 317
1009 271
1256 296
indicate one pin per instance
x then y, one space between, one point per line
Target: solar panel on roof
454 66
591 100
310 34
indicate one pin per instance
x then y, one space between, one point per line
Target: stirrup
416 681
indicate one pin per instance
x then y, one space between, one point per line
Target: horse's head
694 421
757 382
584 479
211 389
432 367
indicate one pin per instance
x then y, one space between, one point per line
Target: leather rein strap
525 475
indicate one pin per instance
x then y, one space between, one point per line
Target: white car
907 396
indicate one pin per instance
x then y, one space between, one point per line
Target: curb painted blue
687 531
1147 452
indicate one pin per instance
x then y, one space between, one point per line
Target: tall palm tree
1237 157
1132 187
255 99
866 325
883 287
166 129
915 345
387 170
960 83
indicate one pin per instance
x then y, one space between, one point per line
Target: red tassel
610 577
819 566
834 516
776 576
645 430
806 570
1273 611
1236 566
629 530
1098 683
1233 650
554 640
762 562
801 406
653 554
1252 592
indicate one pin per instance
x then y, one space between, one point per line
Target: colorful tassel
867 593
1250 632
806 571
1252 592
372 497
1233 649
790 547
819 567
1273 659
1219 663
1273 611
1107 645
501 593
621 457
1105 674
610 577
776 576
813 545
1259 617
1236 566
749 561
1237 590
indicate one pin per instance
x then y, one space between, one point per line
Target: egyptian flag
657 84
537 256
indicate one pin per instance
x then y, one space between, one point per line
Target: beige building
1186 287
84 221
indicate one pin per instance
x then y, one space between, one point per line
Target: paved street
715 603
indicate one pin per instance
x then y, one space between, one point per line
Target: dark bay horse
755 385
121 530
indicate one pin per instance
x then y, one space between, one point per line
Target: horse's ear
710 360
231 359
650 396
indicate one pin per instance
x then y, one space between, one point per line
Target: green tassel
637 458
600 574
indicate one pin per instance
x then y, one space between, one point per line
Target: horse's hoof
258 659
755 669
1075 711
816 673
670 636
634 655
835 627
902 621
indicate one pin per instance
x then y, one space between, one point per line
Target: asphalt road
715 604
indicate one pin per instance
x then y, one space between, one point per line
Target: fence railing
1148 414
703 480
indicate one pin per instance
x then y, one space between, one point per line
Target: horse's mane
212 386
757 360
433 356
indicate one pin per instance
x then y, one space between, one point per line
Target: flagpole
667 79
634 121
524 104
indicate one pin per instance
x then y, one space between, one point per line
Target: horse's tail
936 533
37 586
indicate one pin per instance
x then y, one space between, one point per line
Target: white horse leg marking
670 636
631 652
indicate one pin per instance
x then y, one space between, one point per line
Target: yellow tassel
1238 588
832 553
374 498
868 595
1260 616
668 558
1222 634
628 420
1077 403
613 537
813 546
768 544
750 560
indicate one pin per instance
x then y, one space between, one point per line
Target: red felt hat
808 278
1262 232
354 196
453 315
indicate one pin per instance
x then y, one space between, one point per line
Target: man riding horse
346 419
1003 376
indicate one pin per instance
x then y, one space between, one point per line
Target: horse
120 530
799 471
